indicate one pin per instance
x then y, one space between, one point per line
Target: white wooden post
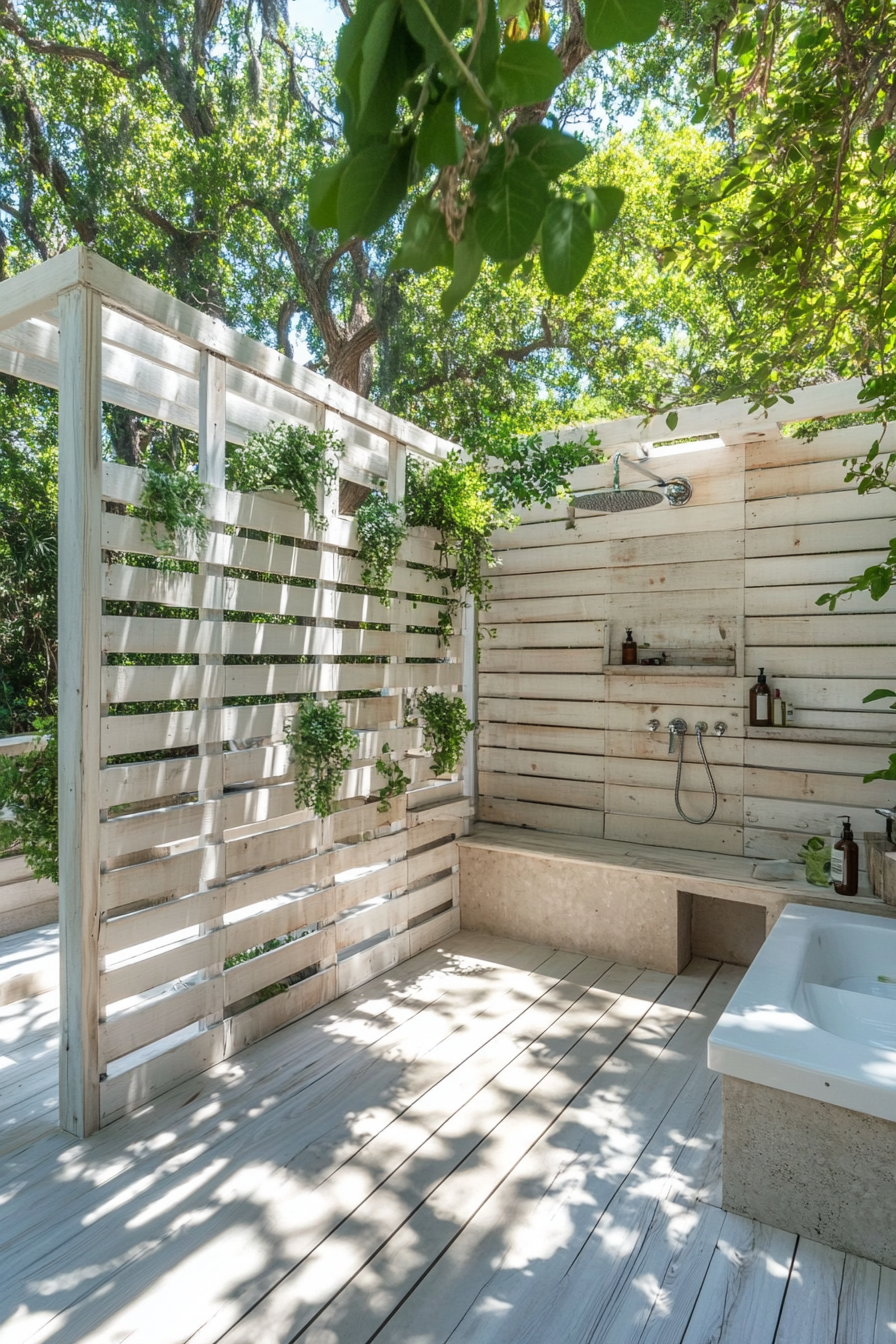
80 695
328 505
471 699
395 489
212 457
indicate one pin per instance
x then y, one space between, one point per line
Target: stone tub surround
645 905
818 1170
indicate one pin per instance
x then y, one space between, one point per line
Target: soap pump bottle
760 703
629 649
845 862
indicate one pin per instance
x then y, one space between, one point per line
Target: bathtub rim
799 1056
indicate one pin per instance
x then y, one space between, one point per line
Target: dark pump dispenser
760 703
629 649
845 862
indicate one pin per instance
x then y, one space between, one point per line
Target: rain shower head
676 492
617 501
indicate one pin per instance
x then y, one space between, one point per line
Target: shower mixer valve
677 728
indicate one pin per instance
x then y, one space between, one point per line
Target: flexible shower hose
695 821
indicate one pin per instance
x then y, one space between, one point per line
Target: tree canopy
479 212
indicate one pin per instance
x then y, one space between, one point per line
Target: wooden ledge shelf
826 736
669 670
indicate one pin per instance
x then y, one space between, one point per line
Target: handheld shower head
676 492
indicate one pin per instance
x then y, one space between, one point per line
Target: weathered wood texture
723 586
220 900
200 909
492 1144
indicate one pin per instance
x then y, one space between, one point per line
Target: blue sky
321 14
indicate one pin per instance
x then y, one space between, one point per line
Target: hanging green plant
381 530
29 795
396 780
467 501
445 728
322 746
454 498
288 457
174 500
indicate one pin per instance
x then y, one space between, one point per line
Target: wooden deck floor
495 1142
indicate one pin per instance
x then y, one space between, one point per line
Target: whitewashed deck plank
469 1148
858 1300
301 1124
741 1296
528 1248
812 1300
885 1323
354 1021
363 1306
479 1147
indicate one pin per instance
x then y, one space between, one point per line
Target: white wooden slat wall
725 584
337 901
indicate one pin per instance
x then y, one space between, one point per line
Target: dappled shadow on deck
491 1143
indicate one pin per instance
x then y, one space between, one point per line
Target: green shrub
29 791
174 500
288 457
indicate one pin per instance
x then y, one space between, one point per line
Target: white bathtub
815 1013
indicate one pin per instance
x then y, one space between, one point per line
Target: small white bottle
779 711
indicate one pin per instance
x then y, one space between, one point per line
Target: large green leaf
604 205
448 16
567 245
508 220
323 194
609 22
550 150
468 258
425 243
439 141
374 50
372 188
526 73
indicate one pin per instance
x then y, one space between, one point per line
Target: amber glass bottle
760 703
629 649
845 862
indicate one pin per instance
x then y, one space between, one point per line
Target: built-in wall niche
707 648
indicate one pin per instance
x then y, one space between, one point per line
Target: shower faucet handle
677 728
720 728
652 725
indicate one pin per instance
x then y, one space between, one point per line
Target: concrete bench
641 904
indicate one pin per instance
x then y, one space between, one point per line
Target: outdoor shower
676 492
677 729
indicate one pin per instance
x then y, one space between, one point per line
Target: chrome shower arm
630 461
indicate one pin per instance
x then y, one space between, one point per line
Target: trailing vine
447 617
467 501
445 728
454 498
288 457
322 747
174 500
29 794
381 530
396 780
